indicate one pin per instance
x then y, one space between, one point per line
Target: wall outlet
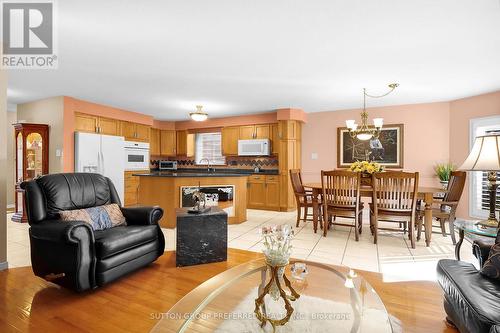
58 152
314 156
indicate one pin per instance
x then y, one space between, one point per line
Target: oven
136 155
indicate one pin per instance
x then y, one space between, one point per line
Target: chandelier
365 132
199 115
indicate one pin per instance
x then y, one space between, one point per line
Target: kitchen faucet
208 164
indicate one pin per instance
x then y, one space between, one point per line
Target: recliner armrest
142 215
61 231
495 329
481 251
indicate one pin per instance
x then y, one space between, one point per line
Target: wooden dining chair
444 209
303 197
342 198
394 200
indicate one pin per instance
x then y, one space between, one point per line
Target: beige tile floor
392 256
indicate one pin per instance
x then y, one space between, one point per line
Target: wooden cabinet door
275 139
142 132
128 130
230 136
109 126
181 144
191 145
167 143
262 132
154 142
247 132
273 192
86 123
256 195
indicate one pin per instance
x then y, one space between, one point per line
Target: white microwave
255 147
136 155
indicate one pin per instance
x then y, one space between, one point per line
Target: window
478 191
209 149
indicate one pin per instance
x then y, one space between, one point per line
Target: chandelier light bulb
378 122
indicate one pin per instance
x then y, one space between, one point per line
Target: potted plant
443 172
367 169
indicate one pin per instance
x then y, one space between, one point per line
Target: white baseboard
4 265
11 206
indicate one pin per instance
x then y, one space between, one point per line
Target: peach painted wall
72 105
426 137
461 113
263 118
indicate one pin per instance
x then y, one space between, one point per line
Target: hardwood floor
28 303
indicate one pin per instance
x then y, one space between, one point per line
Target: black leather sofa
471 300
71 253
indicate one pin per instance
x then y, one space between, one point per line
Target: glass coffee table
473 230
332 299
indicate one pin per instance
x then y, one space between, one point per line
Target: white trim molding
478 126
4 265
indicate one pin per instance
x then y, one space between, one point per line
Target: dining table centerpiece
443 171
366 168
277 250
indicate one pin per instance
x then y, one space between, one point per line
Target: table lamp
485 156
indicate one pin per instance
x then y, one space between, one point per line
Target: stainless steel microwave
167 165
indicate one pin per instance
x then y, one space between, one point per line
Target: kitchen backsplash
237 162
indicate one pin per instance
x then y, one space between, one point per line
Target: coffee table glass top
473 228
332 299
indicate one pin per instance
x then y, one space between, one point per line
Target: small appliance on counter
254 147
167 165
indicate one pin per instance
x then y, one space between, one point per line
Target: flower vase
366 179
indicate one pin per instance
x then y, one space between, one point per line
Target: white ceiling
239 57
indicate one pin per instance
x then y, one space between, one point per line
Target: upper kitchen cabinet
135 132
185 143
154 142
94 124
249 132
275 139
86 123
262 131
230 136
168 145
109 126
289 130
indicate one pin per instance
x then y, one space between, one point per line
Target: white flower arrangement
277 244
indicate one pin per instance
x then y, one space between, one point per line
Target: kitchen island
171 190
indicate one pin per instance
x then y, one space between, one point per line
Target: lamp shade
485 154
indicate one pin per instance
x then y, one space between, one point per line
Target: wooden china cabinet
32 160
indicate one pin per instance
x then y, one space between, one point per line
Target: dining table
427 194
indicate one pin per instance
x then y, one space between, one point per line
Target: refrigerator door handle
102 158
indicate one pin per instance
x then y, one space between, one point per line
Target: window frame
476 124
222 161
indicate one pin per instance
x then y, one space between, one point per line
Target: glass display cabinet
32 160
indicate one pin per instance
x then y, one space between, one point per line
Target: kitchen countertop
204 173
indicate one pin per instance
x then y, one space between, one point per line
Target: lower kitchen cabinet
263 192
132 188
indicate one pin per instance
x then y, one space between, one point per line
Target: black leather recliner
71 253
471 300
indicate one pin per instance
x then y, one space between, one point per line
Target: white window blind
478 190
209 148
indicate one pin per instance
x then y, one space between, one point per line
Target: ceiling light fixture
364 132
199 115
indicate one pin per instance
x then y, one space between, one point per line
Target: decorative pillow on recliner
491 267
100 217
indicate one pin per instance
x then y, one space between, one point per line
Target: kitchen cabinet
247 132
263 192
132 187
135 132
230 137
108 126
275 139
154 142
168 143
86 123
256 193
185 143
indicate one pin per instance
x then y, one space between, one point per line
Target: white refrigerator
103 154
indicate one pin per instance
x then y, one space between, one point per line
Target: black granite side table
201 238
